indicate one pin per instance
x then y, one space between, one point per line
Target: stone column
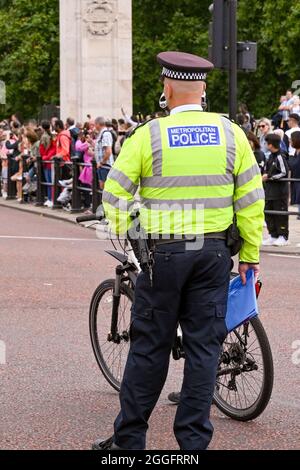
95 58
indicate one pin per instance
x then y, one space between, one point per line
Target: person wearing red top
63 148
47 152
63 142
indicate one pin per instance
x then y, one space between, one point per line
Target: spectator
63 147
296 106
32 151
115 125
4 163
277 117
294 164
264 127
31 124
255 145
86 176
286 107
103 150
47 152
293 123
74 132
52 123
276 193
15 122
243 109
243 121
114 134
5 125
121 123
13 155
284 141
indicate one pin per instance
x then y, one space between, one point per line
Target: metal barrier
77 188
285 180
11 185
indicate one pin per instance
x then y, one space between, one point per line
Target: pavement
292 249
52 393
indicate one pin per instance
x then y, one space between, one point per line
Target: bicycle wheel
245 374
111 357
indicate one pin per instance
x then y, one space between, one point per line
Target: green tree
29 54
158 26
273 25
29 51
183 25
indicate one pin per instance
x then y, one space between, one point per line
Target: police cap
184 66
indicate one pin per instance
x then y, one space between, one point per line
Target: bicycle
245 374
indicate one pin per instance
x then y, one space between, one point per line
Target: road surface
52 394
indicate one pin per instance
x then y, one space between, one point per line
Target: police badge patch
192 136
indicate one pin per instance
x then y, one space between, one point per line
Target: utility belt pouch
234 240
139 242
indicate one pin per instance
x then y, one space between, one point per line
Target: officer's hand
265 177
243 268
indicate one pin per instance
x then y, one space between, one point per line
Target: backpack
114 139
74 137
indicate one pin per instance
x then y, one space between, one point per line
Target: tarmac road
52 394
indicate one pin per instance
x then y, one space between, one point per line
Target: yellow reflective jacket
194 170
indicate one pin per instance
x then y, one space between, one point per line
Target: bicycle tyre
103 288
263 399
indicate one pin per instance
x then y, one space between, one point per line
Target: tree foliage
29 50
29 54
183 25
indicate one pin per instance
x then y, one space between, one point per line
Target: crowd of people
21 144
275 143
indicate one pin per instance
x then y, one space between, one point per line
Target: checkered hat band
176 75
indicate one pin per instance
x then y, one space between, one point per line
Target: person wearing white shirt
286 106
293 123
296 106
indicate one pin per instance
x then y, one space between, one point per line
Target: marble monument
95 58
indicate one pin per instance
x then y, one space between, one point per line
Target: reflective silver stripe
230 144
186 181
174 204
247 175
156 146
248 199
116 202
123 181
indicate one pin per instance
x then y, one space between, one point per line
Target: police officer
195 170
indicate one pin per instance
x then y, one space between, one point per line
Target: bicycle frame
128 271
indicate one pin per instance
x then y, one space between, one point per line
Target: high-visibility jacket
194 170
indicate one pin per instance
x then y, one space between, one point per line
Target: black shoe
174 397
105 445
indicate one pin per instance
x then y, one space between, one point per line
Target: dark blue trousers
189 288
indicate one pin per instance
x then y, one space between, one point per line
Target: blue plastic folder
242 302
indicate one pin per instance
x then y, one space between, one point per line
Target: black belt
185 238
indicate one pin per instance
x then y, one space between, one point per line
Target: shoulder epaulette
229 119
138 127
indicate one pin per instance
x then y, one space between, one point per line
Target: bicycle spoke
113 355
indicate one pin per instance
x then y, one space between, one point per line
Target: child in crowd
276 193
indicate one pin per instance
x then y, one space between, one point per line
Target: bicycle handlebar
89 218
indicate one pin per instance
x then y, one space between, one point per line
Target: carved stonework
100 17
